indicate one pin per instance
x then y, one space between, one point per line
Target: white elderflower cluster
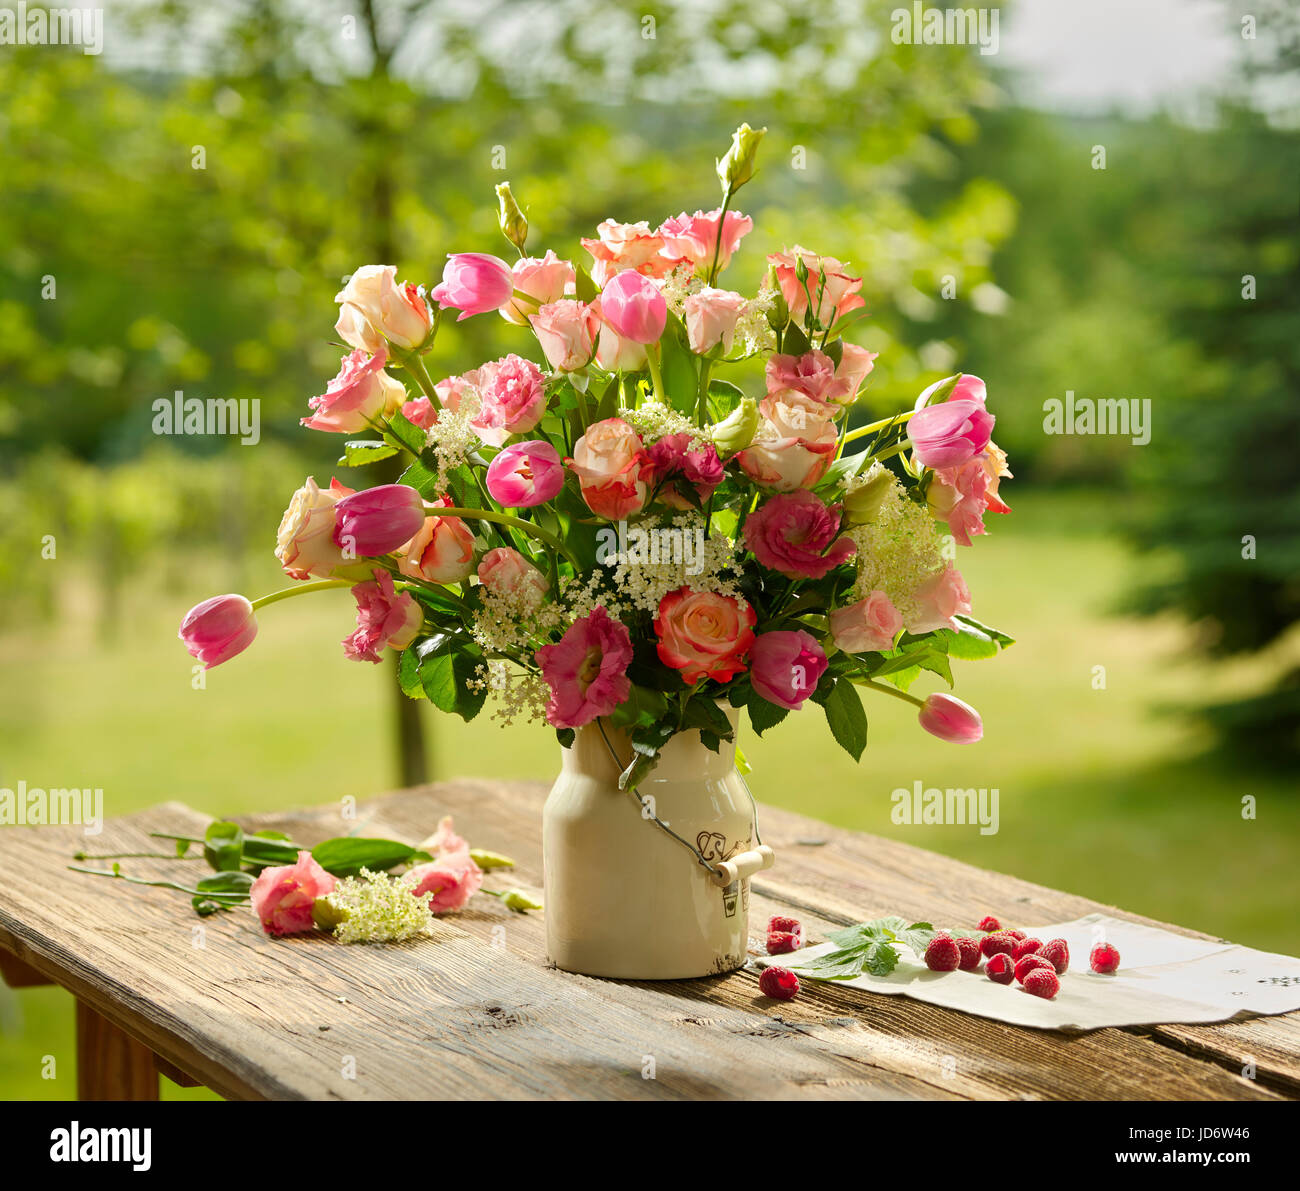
653 420
754 333
512 620
452 438
377 908
517 694
679 284
899 548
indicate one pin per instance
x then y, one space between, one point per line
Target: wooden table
475 1012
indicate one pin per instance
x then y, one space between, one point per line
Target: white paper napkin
1162 977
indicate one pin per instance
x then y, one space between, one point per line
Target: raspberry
1025 947
970 954
996 944
999 969
989 924
1057 953
1042 982
1018 935
789 925
780 984
782 942
943 954
1104 958
1027 963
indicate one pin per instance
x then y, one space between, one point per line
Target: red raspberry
1018 935
1028 963
1104 958
789 925
1025 947
989 924
970 954
782 942
1042 982
999 969
780 984
943 954
996 944
1057 953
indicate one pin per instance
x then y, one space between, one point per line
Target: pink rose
942 596
566 331
587 670
855 364
634 307
870 624
506 572
625 246
218 629
793 446
693 239
794 534
962 495
785 667
812 374
525 474
442 550
361 394
454 389
283 896
305 541
378 520
420 412
616 354
384 618
839 296
513 398
955 430
948 718
474 283
704 634
544 280
711 316
448 881
381 308
673 463
611 467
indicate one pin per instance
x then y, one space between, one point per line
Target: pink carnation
587 670
384 618
673 464
513 399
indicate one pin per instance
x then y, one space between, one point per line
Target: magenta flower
633 306
587 670
217 629
474 283
948 718
384 617
794 534
378 520
525 474
948 434
673 464
283 896
785 667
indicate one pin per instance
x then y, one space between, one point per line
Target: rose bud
737 166
217 629
633 306
378 520
525 474
711 316
510 219
376 306
736 431
474 283
948 718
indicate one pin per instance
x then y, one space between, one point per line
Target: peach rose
839 296
441 551
360 395
704 634
394 310
546 279
566 331
506 572
622 246
793 447
305 541
610 463
870 624
711 316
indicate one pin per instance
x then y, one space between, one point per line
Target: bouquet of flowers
611 529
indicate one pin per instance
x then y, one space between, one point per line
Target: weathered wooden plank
17 974
111 1065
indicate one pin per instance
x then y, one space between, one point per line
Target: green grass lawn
1101 793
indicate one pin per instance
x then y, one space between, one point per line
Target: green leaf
847 720
262 850
408 672
346 856
764 715
678 368
795 342
424 481
607 406
970 624
358 454
438 678
917 936
643 706
565 736
407 432
221 891
585 290
880 959
223 846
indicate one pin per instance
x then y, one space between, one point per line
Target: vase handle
742 866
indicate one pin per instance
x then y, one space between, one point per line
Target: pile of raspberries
1010 955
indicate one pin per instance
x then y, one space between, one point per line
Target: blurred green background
337 134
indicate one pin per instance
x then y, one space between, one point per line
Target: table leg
111 1065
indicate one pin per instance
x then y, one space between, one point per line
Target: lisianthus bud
737 167
513 224
736 431
517 899
863 499
488 860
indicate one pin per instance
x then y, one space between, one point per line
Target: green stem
300 589
863 431
216 896
415 366
890 690
519 523
898 449
702 404
652 359
717 247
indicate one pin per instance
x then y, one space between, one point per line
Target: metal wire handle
647 813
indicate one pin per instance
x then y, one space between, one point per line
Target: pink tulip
948 718
634 307
950 433
785 667
525 474
378 520
217 629
474 283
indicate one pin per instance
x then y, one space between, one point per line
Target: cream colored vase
623 898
